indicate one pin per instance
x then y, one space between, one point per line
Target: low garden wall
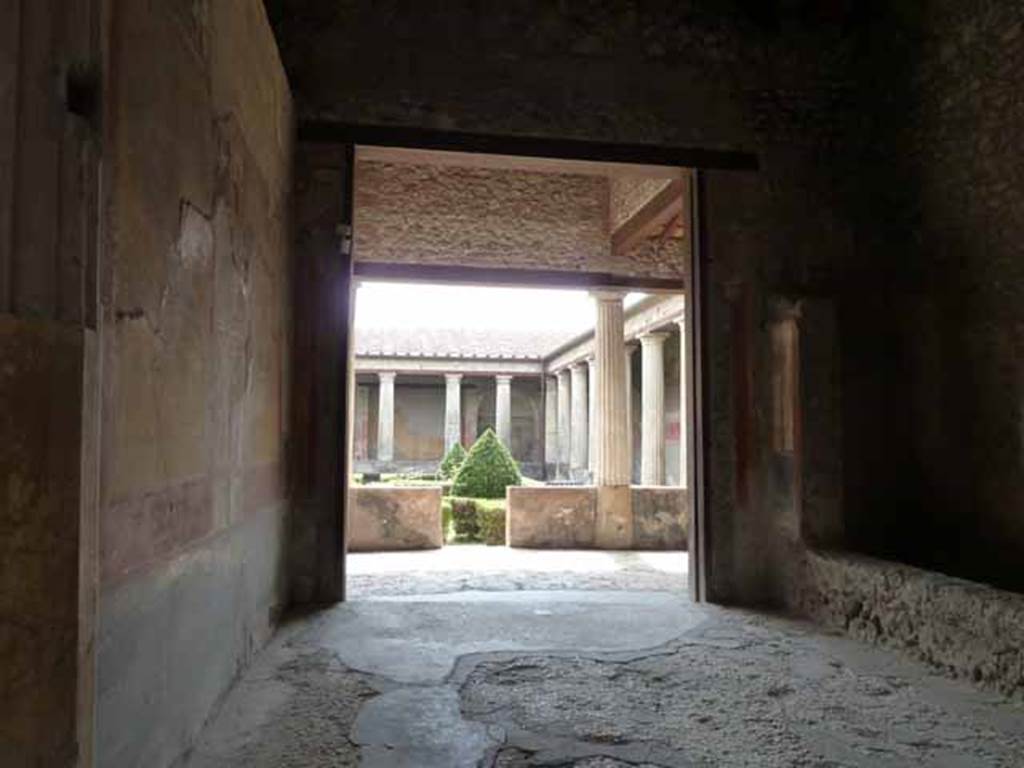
660 517
558 517
565 517
393 517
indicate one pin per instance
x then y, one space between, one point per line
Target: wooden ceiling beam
652 218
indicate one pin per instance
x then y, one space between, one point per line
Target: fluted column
580 438
631 347
564 423
503 409
612 466
652 436
684 411
550 426
614 519
452 409
592 428
386 417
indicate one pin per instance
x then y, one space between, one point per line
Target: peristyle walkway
530 661
478 567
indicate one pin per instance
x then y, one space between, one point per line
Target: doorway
332 168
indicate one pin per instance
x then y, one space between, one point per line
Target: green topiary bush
488 469
491 520
452 461
469 521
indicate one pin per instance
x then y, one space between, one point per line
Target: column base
614 524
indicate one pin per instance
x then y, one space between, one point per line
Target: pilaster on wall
49 432
324 369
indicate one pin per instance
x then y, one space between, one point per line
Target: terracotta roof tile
482 344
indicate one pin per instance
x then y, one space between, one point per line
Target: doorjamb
350 136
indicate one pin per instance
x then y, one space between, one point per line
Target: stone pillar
452 410
684 411
652 434
612 475
630 349
612 467
550 426
564 423
592 427
580 438
386 417
503 409
361 448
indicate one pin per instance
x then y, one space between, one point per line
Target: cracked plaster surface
716 687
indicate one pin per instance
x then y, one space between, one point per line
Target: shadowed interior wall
939 480
195 295
49 186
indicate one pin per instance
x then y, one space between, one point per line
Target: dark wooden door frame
351 135
699 532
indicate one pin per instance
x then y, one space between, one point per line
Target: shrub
474 520
491 521
452 461
488 469
447 521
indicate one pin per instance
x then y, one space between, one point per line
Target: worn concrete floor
595 679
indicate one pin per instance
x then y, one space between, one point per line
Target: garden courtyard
508 436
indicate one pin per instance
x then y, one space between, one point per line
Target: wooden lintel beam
651 219
528 278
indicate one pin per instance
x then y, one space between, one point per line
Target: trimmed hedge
487 471
452 461
469 521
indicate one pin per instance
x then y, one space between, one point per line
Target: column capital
453 377
608 294
504 378
680 321
386 375
653 338
787 309
579 365
591 362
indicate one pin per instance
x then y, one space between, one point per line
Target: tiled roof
458 343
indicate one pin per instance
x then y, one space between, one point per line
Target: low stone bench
963 628
393 518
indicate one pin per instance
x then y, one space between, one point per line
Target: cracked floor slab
422 728
590 679
418 639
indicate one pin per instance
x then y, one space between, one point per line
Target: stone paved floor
466 567
589 678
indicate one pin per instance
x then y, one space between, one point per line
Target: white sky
417 305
